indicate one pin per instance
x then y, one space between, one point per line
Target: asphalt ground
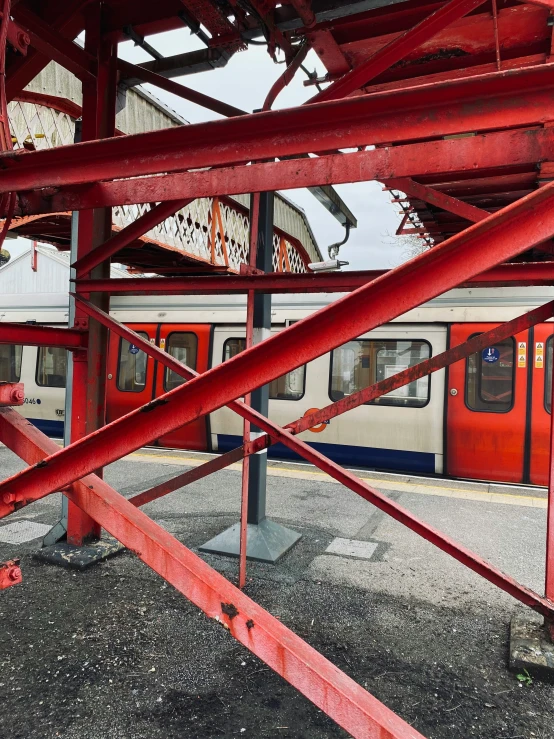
116 652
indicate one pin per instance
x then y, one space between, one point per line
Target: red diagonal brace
490 150
434 197
278 434
30 335
397 49
499 237
319 680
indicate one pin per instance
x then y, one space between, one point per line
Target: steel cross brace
366 395
398 49
505 275
483 245
485 151
30 335
475 104
319 680
284 435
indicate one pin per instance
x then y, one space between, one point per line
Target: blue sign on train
133 349
490 354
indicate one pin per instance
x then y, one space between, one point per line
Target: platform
123 654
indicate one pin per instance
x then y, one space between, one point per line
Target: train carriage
487 417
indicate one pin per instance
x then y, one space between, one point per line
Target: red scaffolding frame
466 134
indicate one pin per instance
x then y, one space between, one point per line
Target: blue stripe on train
358 456
49 427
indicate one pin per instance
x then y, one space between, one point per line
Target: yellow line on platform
526 501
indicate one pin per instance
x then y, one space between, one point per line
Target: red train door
487 408
541 401
190 344
135 379
130 373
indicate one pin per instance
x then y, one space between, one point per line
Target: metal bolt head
8 498
15 573
17 395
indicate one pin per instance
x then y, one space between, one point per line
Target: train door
487 408
190 344
130 373
135 379
541 403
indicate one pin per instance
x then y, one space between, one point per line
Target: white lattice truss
209 230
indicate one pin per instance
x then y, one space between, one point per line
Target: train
484 418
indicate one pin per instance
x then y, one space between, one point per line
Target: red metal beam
353 708
31 335
440 199
278 434
397 49
127 235
476 104
54 45
503 235
68 21
458 158
205 101
505 275
11 393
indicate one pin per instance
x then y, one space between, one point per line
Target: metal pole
266 541
549 575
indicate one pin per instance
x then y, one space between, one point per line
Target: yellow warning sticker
539 354
521 354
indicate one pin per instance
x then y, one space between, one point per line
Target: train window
131 370
490 382
287 387
363 362
51 366
184 347
548 376
10 362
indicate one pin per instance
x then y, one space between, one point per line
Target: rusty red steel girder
30 335
503 235
434 110
397 49
277 434
308 421
339 696
465 556
505 275
486 151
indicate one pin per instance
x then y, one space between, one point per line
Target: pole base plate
79 558
267 541
531 648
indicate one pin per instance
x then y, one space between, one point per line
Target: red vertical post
94 228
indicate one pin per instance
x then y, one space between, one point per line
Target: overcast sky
244 82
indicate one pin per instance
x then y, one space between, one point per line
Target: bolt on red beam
505 234
31 335
10 574
440 157
283 435
475 104
346 702
11 393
